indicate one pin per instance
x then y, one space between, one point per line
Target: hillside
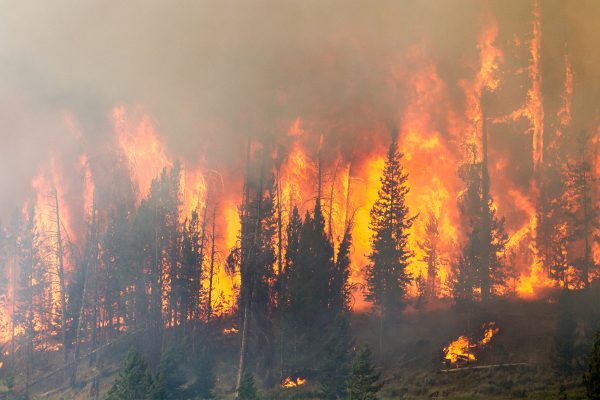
516 363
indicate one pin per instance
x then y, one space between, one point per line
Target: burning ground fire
290 382
461 351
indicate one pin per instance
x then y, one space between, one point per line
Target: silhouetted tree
387 275
247 389
563 352
135 382
582 212
591 378
335 367
363 383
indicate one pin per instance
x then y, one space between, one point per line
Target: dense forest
411 212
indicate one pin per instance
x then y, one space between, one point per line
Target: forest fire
462 350
290 185
290 382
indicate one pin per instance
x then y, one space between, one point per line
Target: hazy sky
211 72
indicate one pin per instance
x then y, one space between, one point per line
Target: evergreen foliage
335 367
387 275
135 382
247 389
363 382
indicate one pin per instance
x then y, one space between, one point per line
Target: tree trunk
61 280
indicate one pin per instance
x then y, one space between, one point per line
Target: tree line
147 269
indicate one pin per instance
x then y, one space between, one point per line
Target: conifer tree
481 262
591 378
563 353
170 374
203 369
247 389
431 257
363 383
387 276
421 284
339 288
135 382
335 367
583 214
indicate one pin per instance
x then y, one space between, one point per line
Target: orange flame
461 349
290 382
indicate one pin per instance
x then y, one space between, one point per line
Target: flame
230 331
564 114
141 145
461 349
290 382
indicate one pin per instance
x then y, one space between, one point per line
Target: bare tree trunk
13 287
61 280
485 212
330 220
212 268
91 258
250 264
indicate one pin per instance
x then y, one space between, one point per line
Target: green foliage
247 389
135 382
204 382
335 367
363 382
170 374
591 378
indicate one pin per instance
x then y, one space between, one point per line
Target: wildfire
230 331
462 349
290 382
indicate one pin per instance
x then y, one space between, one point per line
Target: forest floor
515 364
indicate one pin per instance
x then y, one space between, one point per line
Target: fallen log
522 364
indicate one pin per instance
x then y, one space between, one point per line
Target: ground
515 364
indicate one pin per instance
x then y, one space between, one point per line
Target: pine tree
135 382
431 257
387 276
256 265
363 382
481 261
339 288
563 352
170 373
422 290
203 370
335 367
582 212
247 389
591 379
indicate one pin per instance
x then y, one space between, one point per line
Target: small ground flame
230 331
462 349
289 382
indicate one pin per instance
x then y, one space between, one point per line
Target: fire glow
290 382
461 350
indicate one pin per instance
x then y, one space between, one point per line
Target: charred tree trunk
251 260
485 210
212 268
61 280
91 258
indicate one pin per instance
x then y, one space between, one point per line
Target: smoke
213 74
